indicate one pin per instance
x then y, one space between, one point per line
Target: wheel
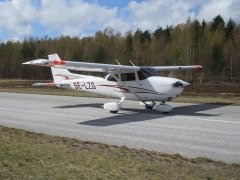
164 108
150 104
149 107
113 107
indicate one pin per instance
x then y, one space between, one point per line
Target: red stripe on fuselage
115 86
128 91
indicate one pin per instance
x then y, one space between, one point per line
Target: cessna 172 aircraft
139 83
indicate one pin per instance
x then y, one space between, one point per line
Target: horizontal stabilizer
45 84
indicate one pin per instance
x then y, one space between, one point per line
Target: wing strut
117 62
131 62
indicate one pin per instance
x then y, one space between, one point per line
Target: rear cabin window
128 77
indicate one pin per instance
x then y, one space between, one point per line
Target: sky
37 18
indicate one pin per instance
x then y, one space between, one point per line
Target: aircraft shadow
137 115
95 105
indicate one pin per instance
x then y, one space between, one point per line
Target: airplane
138 83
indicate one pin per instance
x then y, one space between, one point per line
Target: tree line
215 45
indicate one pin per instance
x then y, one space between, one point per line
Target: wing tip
198 66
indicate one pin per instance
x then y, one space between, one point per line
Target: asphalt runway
191 130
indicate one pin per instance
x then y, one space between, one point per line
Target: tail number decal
84 85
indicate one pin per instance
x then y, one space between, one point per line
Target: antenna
131 62
117 62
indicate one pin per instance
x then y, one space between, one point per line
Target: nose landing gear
164 108
148 104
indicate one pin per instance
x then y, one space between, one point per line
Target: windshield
144 74
111 78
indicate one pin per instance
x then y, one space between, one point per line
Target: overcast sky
36 18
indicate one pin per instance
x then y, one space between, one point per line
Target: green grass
27 155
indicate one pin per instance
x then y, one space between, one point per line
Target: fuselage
154 88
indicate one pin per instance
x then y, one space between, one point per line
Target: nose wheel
164 108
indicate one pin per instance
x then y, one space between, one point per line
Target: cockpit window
143 74
111 78
128 77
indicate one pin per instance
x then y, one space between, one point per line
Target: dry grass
24 86
27 155
233 99
47 90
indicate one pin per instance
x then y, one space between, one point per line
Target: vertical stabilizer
59 74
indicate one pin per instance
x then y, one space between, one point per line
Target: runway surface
191 130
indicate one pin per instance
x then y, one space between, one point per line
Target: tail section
59 74
59 71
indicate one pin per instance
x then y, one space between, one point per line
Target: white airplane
138 83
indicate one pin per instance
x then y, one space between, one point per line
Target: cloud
151 14
227 9
148 15
75 17
18 18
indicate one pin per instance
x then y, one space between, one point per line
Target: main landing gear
113 107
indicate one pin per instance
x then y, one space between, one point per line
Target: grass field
24 86
27 155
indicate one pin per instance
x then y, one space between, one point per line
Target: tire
114 112
165 112
149 107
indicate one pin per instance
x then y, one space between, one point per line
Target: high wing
55 61
96 67
172 68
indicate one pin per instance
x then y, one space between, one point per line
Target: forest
215 45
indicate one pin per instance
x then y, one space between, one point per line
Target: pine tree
217 62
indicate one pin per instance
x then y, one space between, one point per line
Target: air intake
178 84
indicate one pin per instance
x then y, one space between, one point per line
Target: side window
128 77
111 78
141 75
